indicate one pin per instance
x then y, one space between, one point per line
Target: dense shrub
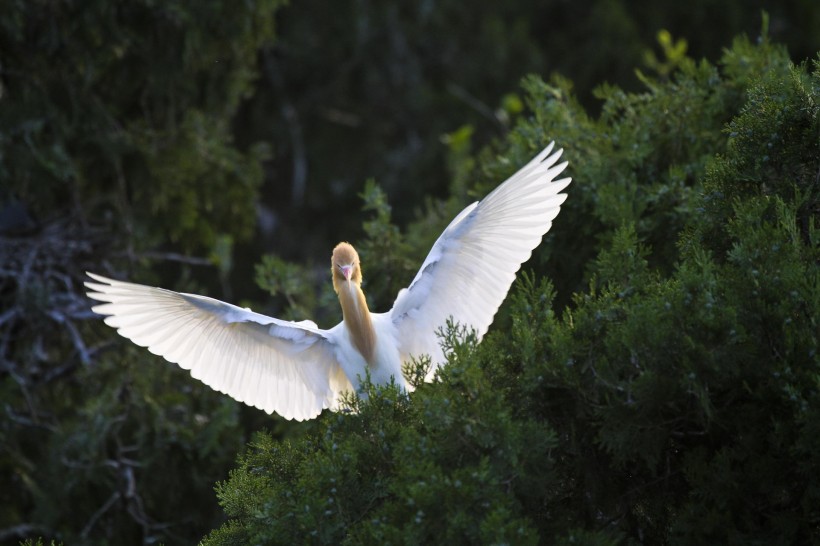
675 399
116 149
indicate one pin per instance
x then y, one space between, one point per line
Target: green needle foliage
674 399
126 109
116 141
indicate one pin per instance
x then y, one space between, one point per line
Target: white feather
233 350
297 369
470 268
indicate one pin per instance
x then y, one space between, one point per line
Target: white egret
297 369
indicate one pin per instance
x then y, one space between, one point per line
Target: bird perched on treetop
297 369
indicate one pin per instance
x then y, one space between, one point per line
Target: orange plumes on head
347 281
345 256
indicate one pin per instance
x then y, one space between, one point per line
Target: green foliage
384 247
367 89
443 467
674 54
128 109
781 107
289 281
674 400
116 138
641 162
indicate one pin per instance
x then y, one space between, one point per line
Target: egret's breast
386 362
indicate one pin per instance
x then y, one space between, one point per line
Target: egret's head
344 266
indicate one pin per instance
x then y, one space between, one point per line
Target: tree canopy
675 398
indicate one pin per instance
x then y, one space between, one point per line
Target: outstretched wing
277 366
469 270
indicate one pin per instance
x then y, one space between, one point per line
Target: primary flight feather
297 369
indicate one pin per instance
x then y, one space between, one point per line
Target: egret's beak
347 271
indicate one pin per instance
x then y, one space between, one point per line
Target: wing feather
277 366
470 268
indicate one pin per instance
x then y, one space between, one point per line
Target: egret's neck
357 319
